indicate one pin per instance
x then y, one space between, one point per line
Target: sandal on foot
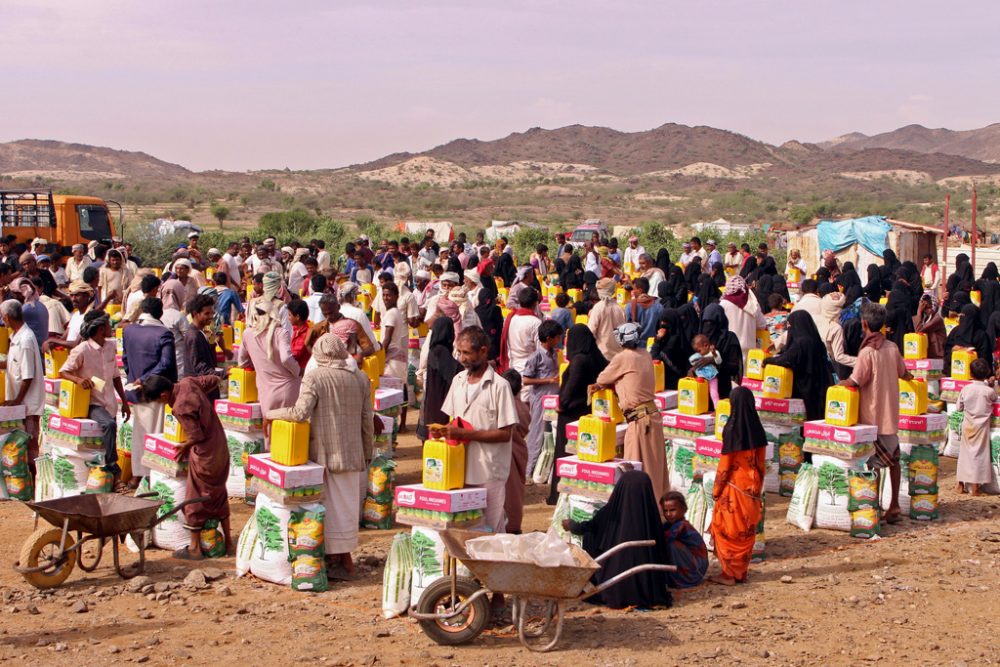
893 518
184 553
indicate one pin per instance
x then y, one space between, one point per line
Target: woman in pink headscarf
743 312
831 264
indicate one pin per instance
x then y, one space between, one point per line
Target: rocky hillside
982 144
34 158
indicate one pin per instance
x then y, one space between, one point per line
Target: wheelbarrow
50 554
455 610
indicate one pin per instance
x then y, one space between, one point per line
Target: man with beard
482 399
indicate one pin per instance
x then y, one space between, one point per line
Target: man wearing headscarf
605 317
335 400
876 375
520 283
738 489
81 295
348 295
174 319
267 347
929 322
630 373
91 364
744 313
77 262
445 284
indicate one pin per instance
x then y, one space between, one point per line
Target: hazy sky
250 84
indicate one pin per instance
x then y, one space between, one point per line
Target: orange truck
63 220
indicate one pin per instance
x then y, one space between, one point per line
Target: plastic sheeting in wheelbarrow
543 549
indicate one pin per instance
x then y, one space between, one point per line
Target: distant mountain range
982 144
668 150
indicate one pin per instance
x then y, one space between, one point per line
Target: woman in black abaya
873 288
805 354
672 347
442 368
585 363
969 333
715 325
631 514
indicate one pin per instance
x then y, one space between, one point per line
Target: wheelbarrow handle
649 567
189 501
624 545
148 494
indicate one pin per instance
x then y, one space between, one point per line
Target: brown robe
631 374
513 503
208 457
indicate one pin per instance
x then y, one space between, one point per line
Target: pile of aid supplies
840 490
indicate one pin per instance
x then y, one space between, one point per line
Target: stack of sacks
546 458
376 513
428 558
682 426
263 546
885 492
172 491
244 426
782 417
922 482
14 465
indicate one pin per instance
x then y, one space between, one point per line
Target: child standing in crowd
561 313
705 364
541 376
687 548
513 504
976 400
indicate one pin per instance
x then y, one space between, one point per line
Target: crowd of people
489 354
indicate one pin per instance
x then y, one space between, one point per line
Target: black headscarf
442 368
849 278
718 274
853 293
692 273
707 292
805 354
663 261
631 514
767 267
715 325
749 267
489 314
989 292
673 290
963 273
901 298
505 269
969 333
873 289
822 275
781 287
690 321
454 264
763 289
888 269
572 275
898 323
585 363
993 327
743 431
673 349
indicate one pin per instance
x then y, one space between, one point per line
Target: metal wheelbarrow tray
49 554
455 610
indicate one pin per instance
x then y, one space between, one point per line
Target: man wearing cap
686 255
633 252
422 283
77 263
474 284
714 256
193 251
732 260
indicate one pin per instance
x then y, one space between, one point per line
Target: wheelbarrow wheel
42 547
459 629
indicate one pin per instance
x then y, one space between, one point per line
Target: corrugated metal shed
910 241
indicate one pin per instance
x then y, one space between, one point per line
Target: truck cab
63 220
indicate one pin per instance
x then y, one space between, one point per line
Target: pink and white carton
665 400
284 477
924 364
756 386
851 435
573 430
420 497
931 422
550 402
387 398
80 428
390 382
571 467
951 384
52 385
708 447
791 406
239 410
695 423
155 443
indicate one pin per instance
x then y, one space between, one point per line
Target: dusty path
926 594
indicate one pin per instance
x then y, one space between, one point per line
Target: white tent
443 230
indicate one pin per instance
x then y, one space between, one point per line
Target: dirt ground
924 594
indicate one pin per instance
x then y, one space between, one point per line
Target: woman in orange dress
738 490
